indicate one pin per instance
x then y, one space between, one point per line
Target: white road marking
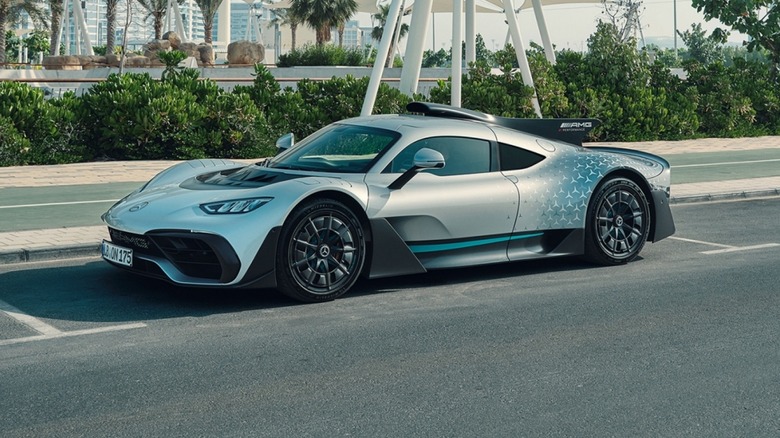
729 163
112 328
701 242
50 332
98 201
30 321
741 248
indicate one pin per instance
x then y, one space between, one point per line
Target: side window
515 158
462 156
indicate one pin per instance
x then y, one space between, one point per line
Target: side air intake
566 130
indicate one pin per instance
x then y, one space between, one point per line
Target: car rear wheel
618 223
321 251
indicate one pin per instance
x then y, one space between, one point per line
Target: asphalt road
683 342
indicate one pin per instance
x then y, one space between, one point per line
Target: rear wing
566 130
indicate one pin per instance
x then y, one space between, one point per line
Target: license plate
117 254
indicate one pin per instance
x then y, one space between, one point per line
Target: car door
461 214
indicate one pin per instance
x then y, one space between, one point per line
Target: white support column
549 52
396 36
393 15
176 12
223 34
82 28
415 45
471 35
522 60
457 52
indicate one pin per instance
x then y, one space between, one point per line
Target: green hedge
180 117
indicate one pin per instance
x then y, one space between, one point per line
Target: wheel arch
639 180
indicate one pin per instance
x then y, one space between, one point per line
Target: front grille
192 256
136 242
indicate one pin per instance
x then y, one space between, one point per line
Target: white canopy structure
421 12
420 18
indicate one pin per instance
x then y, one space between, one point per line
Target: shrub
502 95
14 147
322 55
50 127
723 109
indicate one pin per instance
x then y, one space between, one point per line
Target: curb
724 196
49 254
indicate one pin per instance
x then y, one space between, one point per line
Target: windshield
337 148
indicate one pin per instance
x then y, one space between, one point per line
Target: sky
570 25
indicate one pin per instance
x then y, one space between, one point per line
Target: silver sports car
391 195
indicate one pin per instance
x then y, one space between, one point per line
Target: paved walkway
36 245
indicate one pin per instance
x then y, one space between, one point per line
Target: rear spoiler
566 130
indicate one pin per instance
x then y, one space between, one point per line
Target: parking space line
740 248
701 242
30 321
50 332
61 334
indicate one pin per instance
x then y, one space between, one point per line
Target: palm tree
345 9
55 6
321 15
10 13
285 17
111 6
376 33
209 9
156 9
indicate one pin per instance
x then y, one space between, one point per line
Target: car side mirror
424 159
285 142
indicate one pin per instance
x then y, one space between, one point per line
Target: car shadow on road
96 292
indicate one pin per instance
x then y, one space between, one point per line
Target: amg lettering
566 125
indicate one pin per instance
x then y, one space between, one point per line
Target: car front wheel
618 223
321 251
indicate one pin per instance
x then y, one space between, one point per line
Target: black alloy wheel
618 223
321 253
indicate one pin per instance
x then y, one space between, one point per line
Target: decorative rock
136 61
61 63
191 49
173 39
113 60
206 53
245 52
158 45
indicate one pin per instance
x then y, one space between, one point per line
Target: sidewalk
62 243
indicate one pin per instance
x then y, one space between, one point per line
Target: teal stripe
434 247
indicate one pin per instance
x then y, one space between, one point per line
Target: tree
10 12
209 9
111 6
376 33
157 9
286 17
55 6
624 15
321 15
702 48
759 19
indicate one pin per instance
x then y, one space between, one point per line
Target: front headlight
235 206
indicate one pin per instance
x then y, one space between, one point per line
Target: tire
321 251
618 223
